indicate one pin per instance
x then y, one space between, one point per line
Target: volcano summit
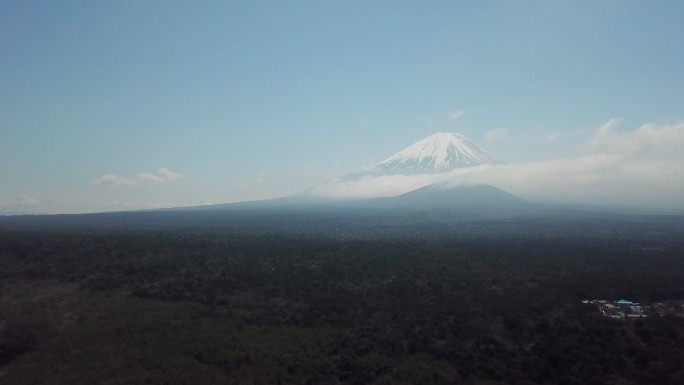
439 152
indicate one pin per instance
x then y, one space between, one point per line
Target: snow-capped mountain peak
442 151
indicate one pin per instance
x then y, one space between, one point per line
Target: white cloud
163 175
455 115
552 136
28 201
373 186
496 134
111 180
23 201
607 173
648 139
22 205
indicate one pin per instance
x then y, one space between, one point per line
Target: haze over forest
129 105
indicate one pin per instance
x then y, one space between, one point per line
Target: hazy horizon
125 105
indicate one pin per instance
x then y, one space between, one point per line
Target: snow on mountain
439 158
442 151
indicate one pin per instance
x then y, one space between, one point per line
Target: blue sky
129 104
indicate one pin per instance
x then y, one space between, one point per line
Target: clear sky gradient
134 104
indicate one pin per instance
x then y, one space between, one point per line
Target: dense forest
277 298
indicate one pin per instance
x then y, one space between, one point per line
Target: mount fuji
418 177
439 152
432 161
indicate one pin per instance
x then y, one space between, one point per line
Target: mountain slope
461 196
442 151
